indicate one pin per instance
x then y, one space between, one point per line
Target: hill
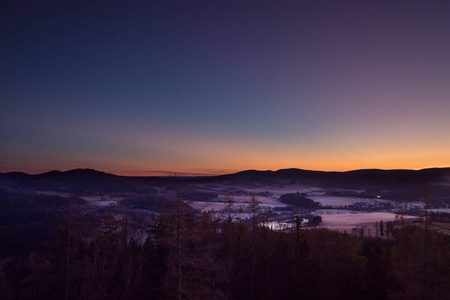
391 184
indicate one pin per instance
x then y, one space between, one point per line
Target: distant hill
77 180
341 179
391 184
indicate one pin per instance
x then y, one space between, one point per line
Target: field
336 216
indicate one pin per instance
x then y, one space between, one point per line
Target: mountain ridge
392 184
249 172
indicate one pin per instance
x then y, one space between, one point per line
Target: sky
215 87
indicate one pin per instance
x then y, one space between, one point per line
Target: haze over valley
344 200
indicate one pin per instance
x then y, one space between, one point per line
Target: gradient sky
211 87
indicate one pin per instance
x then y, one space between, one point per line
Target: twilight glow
200 87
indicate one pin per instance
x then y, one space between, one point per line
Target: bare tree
256 218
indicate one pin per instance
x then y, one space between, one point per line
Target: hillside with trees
299 200
181 253
68 237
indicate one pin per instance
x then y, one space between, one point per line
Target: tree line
180 253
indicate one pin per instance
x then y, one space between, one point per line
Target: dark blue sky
219 86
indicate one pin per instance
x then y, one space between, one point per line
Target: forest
181 253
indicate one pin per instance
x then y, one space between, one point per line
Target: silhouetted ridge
53 173
76 180
350 179
91 173
15 174
407 184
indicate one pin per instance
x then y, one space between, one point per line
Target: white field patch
348 218
245 200
342 201
239 202
104 203
207 206
334 201
235 216
92 198
106 200
279 225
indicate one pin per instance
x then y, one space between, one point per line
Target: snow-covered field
52 193
267 197
350 219
334 201
339 219
342 201
102 200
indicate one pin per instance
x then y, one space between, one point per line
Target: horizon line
209 172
